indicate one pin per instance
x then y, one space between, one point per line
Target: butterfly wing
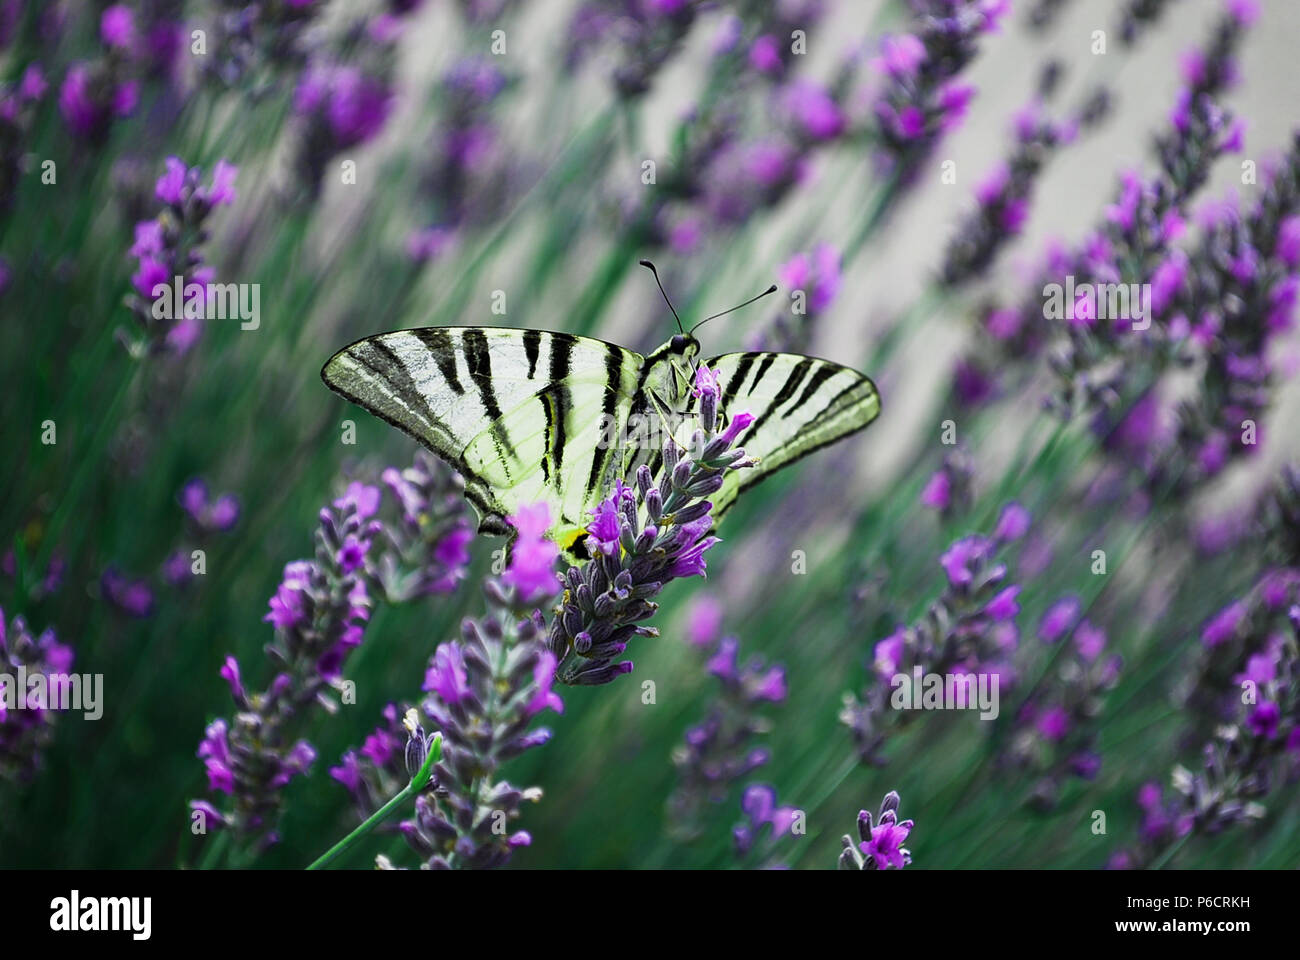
520 414
800 404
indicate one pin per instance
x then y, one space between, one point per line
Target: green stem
1164 858
418 783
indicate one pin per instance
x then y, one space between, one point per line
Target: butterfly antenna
769 290
651 267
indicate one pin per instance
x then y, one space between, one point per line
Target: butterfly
527 416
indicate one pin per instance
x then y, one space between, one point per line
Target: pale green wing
522 415
800 404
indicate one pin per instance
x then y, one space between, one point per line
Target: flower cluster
880 842
129 595
319 612
646 35
26 718
640 538
813 279
339 106
1136 244
950 489
483 693
425 545
168 247
919 98
344 97
729 164
1240 765
969 629
378 770
207 513
721 749
764 37
1248 681
96 93
1098 361
470 173
149 37
1003 197
1233 297
206 516
256 45
765 823
1056 727
1242 646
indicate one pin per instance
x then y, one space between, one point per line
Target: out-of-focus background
408 164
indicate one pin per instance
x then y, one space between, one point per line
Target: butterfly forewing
799 404
521 414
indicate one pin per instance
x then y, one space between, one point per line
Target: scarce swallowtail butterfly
529 416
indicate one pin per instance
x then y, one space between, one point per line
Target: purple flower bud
1059 619
1013 523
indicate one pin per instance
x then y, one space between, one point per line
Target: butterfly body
530 415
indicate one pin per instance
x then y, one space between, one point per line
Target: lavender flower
765 824
379 769
880 843
207 513
1233 297
339 107
344 96
640 538
1096 362
131 596
48 584
427 541
1241 650
722 749
168 247
256 45
1136 243
484 690
949 490
1249 678
94 94
814 281
471 174
919 98
1003 197
319 613
1056 734
207 516
969 629
26 715
646 34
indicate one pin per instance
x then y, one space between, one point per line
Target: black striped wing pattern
518 413
527 415
800 404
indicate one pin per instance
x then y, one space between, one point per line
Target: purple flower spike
879 845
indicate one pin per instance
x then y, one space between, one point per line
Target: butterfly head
685 346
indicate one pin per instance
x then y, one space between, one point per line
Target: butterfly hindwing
520 414
799 403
